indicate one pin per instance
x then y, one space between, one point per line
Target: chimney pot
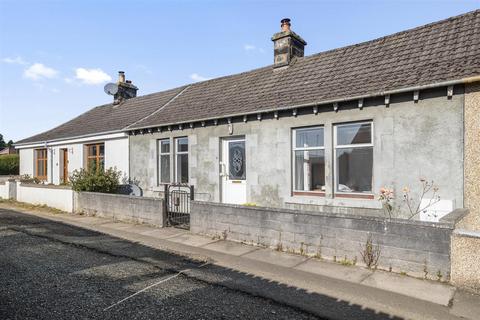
285 24
121 76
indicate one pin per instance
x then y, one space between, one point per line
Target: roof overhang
112 135
319 103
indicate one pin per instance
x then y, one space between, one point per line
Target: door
64 173
233 171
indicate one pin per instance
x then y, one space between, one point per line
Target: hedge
9 164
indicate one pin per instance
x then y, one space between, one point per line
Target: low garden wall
418 248
58 197
121 207
4 194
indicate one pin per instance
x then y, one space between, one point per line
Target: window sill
308 193
355 195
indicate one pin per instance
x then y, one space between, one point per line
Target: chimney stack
126 89
286 45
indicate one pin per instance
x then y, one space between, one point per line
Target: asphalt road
50 270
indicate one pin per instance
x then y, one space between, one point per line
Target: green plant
104 181
439 275
370 253
9 164
26 178
249 204
346 262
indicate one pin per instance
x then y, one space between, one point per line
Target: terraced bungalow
322 132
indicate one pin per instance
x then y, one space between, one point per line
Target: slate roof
433 53
107 118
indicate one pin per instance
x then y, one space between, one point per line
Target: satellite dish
111 88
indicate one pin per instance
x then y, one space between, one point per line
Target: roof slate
107 118
440 51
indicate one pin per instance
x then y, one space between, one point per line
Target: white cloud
38 71
197 77
16 60
91 76
249 47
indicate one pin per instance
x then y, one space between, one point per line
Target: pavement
300 284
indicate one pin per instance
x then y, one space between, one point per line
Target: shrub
26 178
9 164
104 181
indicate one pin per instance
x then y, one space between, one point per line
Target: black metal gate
177 203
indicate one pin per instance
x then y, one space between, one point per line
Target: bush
104 181
9 164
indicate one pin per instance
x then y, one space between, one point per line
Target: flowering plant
413 207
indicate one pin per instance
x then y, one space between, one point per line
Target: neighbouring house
96 138
320 132
8 150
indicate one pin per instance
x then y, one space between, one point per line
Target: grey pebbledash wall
406 246
121 207
411 140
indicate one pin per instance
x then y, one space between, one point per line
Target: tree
2 142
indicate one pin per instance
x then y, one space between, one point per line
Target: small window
354 157
95 156
309 159
181 160
164 161
41 164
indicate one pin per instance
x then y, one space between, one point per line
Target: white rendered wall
116 155
55 197
4 190
26 162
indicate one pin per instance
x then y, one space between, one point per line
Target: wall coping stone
121 196
454 216
448 224
467 233
44 186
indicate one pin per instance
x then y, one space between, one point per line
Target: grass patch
29 206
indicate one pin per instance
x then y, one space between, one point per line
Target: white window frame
295 148
159 161
177 152
346 146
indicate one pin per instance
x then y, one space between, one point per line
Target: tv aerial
111 88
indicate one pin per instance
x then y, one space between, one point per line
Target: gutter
45 142
317 103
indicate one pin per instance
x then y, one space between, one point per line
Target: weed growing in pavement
370 253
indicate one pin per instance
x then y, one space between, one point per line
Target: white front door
233 171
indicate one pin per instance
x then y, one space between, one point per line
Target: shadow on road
118 268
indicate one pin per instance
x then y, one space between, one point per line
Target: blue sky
55 56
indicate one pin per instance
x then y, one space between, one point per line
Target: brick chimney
126 89
286 45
